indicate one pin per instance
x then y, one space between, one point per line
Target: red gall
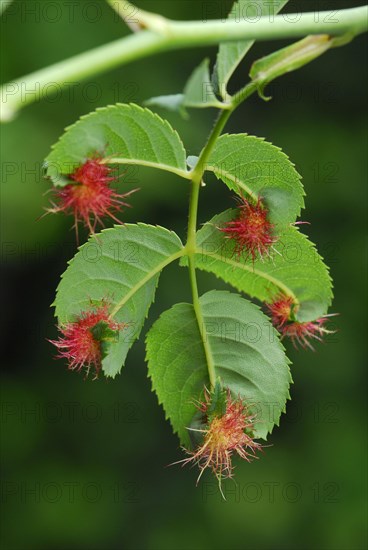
251 230
229 426
90 198
82 342
282 311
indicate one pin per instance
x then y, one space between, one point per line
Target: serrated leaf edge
183 172
242 185
261 274
277 338
111 229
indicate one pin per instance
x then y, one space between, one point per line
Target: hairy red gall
90 198
282 315
281 310
229 426
251 230
83 341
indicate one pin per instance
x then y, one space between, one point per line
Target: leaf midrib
285 289
234 179
165 167
145 280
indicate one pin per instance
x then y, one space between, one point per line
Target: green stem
200 167
243 94
190 247
166 35
16 95
126 10
138 19
333 22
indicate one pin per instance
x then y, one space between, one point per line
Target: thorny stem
164 35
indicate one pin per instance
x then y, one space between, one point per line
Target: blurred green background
84 462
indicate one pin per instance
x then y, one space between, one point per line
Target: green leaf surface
171 102
296 270
121 265
246 351
122 133
230 54
288 59
253 167
198 93
192 161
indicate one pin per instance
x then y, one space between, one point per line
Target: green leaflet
198 93
288 59
171 102
230 54
121 265
247 354
253 167
297 270
122 133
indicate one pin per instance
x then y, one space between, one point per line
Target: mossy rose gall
228 429
90 197
82 341
250 230
282 315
